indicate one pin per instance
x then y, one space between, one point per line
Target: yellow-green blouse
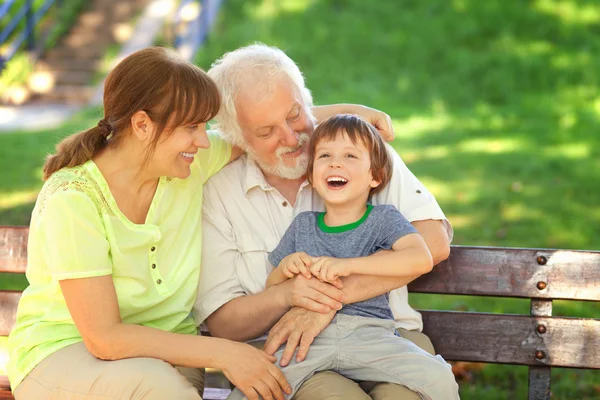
77 231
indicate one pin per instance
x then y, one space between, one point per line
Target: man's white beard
280 169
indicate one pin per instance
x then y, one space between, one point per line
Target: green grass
496 106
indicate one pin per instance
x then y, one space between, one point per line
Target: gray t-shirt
378 229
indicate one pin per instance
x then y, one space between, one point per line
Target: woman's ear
141 125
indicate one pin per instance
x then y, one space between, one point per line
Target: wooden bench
538 340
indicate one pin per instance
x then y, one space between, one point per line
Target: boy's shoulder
306 217
384 209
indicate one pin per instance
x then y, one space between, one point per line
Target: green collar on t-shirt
342 228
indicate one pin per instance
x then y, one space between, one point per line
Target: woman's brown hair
155 80
357 130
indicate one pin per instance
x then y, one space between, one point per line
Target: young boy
348 162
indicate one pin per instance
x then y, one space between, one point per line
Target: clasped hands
314 303
326 269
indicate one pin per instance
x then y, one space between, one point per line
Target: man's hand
379 120
298 327
329 269
313 294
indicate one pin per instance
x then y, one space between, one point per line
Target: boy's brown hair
357 130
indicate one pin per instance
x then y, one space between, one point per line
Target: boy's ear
375 183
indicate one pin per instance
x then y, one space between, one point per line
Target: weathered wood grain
525 273
515 339
8 311
539 383
13 248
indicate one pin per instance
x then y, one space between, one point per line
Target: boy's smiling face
342 171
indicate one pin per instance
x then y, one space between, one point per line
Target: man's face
276 128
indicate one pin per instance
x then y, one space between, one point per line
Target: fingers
263 390
292 342
275 340
280 379
337 283
250 393
287 272
305 342
273 388
306 259
329 291
313 305
304 270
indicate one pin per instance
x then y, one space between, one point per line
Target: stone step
68 64
70 94
88 52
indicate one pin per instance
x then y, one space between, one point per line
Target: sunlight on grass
570 11
417 125
492 146
19 198
573 151
272 8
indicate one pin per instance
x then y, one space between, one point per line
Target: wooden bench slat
513 339
8 311
13 249
487 271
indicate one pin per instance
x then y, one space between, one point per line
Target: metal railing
32 19
191 23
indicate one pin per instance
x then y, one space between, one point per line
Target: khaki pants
329 385
73 373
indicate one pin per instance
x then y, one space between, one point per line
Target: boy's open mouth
336 182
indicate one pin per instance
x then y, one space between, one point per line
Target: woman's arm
377 118
94 308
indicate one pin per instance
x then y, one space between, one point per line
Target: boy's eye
324 155
350 155
192 127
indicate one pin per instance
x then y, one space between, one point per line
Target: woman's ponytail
77 149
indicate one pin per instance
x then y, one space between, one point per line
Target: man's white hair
257 66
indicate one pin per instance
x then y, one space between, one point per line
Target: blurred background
495 104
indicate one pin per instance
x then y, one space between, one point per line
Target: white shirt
244 218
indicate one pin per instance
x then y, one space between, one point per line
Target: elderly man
267 110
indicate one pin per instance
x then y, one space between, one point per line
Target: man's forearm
248 317
364 287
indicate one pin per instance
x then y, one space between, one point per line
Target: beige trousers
73 373
329 385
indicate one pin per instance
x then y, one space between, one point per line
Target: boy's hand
329 269
296 263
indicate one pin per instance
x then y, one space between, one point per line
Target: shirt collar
256 178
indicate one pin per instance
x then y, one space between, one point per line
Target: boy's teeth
188 155
336 179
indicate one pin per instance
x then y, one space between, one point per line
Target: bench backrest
538 340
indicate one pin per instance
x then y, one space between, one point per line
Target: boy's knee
442 376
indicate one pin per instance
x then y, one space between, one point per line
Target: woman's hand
253 372
296 263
